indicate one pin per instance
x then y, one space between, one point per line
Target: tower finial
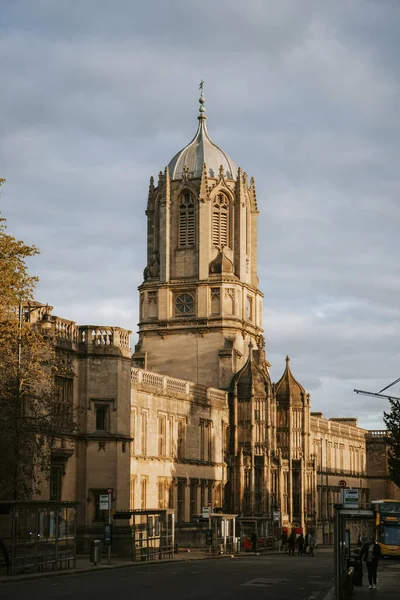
202 100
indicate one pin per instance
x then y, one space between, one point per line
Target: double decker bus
387 521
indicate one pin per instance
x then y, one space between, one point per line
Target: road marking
262 582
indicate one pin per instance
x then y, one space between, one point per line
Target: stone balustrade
66 330
101 336
377 433
176 388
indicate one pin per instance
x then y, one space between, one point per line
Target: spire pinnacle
202 100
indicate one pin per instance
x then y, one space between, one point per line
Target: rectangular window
133 431
209 442
205 440
162 493
171 436
203 485
102 418
162 434
143 493
181 438
144 433
194 484
132 493
56 474
64 401
210 493
218 496
171 493
181 499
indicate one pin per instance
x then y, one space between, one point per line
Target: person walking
311 544
306 543
300 545
292 543
254 542
284 540
371 553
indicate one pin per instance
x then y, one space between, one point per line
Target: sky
97 96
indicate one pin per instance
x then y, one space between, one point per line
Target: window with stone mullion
187 236
220 222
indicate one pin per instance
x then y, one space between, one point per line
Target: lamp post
46 324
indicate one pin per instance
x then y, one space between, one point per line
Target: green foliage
392 422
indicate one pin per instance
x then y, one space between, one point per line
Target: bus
387 520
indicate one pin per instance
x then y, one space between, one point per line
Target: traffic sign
342 484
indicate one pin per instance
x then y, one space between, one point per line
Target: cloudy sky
96 96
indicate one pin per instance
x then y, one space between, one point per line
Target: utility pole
19 407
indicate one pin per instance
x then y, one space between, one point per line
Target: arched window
220 224
187 235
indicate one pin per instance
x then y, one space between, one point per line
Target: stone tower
200 306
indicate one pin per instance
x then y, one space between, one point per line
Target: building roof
252 378
202 150
288 387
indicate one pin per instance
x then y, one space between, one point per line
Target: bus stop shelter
153 532
223 533
37 536
342 546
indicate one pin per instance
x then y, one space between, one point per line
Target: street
275 577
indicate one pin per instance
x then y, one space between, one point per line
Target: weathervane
202 108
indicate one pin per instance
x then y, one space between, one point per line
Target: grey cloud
98 96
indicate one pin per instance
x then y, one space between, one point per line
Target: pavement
190 576
388 583
84 565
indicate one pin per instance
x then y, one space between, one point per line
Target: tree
392 422
28 411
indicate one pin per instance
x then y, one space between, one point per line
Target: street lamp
46 324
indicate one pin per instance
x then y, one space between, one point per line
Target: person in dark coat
284 540
254 541
371 553
292 543
306 543
300 545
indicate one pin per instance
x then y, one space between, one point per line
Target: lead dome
202 150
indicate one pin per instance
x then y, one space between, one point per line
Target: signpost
350 498
109 495
103 502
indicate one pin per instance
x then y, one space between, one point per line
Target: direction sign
206 512
350 498
103 502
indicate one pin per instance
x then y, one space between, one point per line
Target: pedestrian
371 553
300 545
306 544
311 544
284 540
292 543
254 541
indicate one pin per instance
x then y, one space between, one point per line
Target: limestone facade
192 417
